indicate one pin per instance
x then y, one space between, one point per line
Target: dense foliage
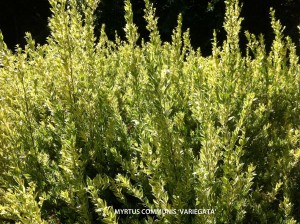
90 126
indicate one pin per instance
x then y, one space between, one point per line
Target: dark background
201 16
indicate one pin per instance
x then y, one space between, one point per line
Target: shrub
91 126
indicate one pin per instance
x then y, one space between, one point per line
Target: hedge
92 128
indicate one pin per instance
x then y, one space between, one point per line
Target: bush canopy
129 131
